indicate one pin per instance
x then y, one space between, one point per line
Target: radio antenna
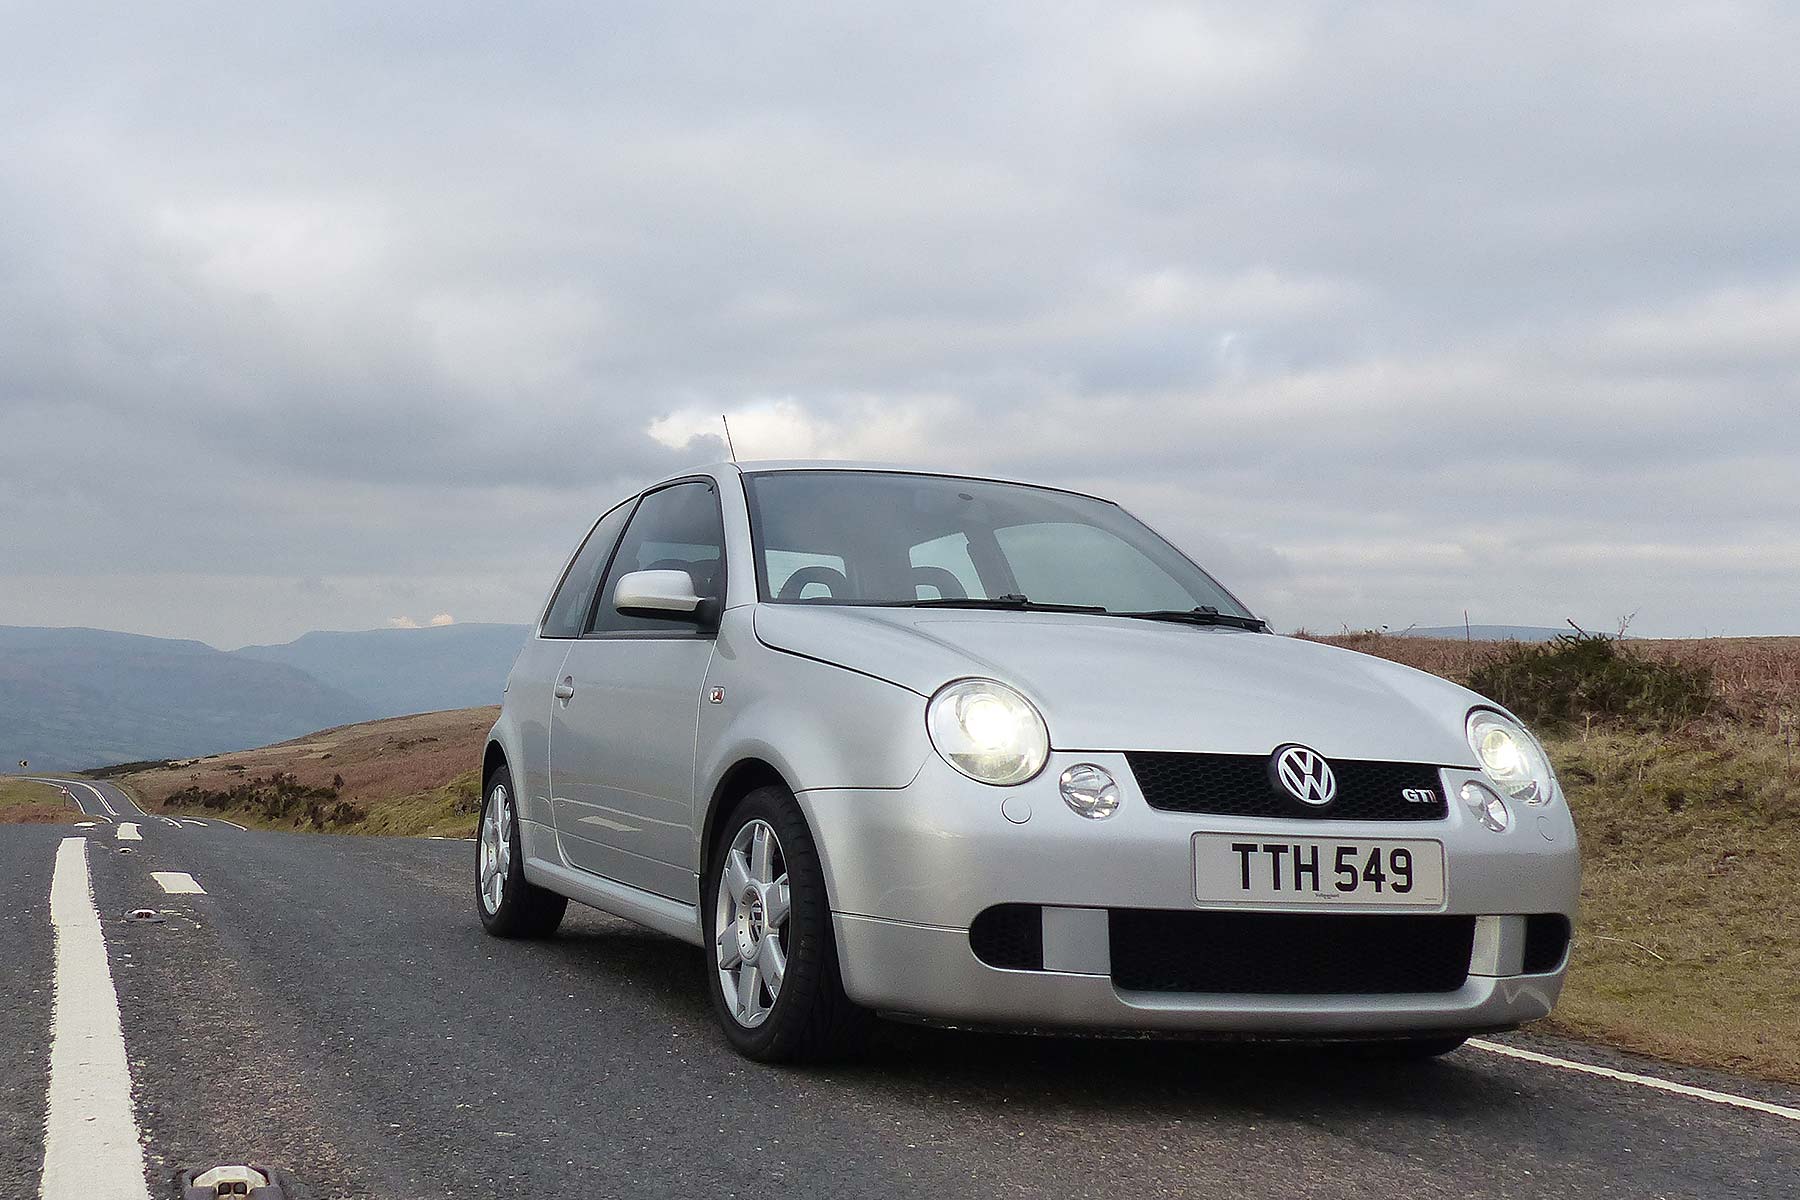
728 446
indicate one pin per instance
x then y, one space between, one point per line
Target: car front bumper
908 871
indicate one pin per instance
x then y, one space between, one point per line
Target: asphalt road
331 1006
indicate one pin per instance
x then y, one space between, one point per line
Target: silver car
982 753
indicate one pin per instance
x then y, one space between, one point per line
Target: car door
531 685
627 706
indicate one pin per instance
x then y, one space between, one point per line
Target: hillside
71 699
401 775
75 698
398 671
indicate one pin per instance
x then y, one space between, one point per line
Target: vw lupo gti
977 752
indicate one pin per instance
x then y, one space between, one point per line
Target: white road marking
170 821
129 832
1649 1081
86 824
233 824
91 1147
192 821
178 883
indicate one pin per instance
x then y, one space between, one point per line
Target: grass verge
27 802
1690 844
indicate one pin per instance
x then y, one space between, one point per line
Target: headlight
1511 757
987 731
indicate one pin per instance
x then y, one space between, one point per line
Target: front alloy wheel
751 918
774 980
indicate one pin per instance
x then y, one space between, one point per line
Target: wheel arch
737 781
493 756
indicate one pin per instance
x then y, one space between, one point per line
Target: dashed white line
91 1146
178 883
129 832
192 821
1649 1081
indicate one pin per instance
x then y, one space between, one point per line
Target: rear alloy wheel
774 979
510 906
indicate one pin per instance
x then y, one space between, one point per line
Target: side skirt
660 913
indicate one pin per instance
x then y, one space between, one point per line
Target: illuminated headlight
1090 791
1511 757
988 731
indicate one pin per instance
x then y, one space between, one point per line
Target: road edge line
92 1149
1649 1081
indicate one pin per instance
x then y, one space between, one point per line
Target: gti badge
1306 775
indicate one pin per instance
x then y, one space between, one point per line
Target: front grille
1546 941
1244 785
1010 936
1289 954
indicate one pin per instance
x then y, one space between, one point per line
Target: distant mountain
74 698
1487 633
401 671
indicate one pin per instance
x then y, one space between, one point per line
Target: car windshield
890 538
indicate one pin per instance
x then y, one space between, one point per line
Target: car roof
773 466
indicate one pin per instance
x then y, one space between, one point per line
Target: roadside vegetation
404 776
1681 761
26 802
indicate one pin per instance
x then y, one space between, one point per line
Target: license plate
1246 869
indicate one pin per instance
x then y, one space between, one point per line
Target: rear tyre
772 965
510 906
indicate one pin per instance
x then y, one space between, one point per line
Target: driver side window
676 528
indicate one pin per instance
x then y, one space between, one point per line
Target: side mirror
665 594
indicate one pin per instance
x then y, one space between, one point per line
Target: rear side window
569 609
675 529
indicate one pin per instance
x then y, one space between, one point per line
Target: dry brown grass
27 802
1758 679
404 771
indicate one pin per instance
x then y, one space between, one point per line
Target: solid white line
91 1147
1649 1081
233 824
129 833
178 883
192 821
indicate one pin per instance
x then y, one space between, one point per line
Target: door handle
566 689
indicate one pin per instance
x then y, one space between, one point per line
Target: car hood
1112 683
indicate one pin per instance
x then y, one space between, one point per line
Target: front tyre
509 905
773 969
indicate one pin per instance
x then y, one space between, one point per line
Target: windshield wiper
1206 614
1010 600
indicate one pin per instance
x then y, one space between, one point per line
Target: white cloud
443 619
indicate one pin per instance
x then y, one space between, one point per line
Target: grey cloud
390 299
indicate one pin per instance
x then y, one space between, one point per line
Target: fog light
1090 791
1487 806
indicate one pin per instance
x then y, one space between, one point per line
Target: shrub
1585 677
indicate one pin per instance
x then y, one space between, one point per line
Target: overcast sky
331 316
